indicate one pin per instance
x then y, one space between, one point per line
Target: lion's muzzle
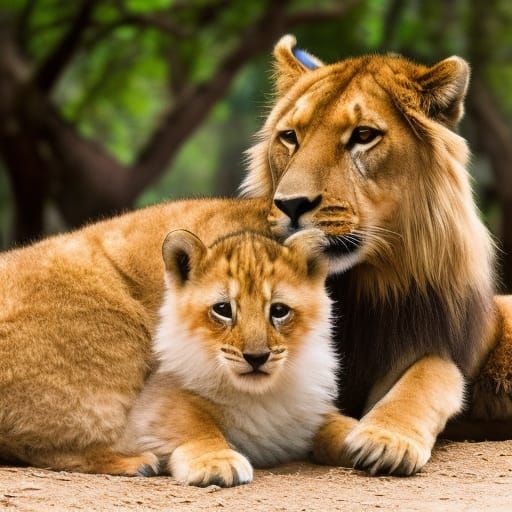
292 213
295 207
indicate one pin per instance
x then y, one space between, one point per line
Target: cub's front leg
397 435
181 428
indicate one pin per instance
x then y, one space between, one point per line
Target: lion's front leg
329 444
397 435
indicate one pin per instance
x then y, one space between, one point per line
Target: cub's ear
291 62
444 88
309 244
182 251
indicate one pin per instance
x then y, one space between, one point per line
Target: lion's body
365 150
76 318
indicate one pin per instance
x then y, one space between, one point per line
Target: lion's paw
225 468
380 450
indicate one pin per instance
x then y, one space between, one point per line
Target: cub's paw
380 450
144 464
150 465
225 468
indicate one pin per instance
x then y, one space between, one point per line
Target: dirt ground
460 476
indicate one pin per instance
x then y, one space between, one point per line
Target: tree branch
51 69
161 20
195 103
23 22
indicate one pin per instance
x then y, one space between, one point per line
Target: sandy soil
461 476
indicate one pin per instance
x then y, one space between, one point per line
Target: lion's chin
341 263
344 251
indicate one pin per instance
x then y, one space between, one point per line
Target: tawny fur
202 413
415 300
77 315
78 310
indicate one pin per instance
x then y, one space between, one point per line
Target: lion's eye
222 311
363 135
289 137
279 312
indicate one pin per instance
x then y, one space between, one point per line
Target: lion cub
246 369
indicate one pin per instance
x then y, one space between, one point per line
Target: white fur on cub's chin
252 384
270 427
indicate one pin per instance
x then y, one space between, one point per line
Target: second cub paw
381 450
225 468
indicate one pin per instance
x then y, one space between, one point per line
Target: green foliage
117 90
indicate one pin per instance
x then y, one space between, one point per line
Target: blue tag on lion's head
305 58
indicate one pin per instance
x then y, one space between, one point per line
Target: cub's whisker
233 359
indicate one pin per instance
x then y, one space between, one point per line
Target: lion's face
347 148
332 158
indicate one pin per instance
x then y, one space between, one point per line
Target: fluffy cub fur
246 368
76 318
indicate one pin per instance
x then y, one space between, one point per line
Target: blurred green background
107 105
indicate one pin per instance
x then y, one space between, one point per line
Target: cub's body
251 383
269 428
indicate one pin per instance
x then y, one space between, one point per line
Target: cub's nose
257 360
297 206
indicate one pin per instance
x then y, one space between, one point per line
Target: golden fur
207 412
415 317
77 314
364 150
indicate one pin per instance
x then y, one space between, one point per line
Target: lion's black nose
257 360
297 206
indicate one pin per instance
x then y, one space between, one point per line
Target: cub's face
348 147
249 304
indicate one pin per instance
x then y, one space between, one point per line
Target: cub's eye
222 311
289 137
363 135
279 312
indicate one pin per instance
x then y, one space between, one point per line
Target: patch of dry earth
460 476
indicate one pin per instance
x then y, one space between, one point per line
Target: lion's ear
291 62
444 88
309 244
182 251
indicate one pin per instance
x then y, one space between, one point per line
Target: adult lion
364 149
